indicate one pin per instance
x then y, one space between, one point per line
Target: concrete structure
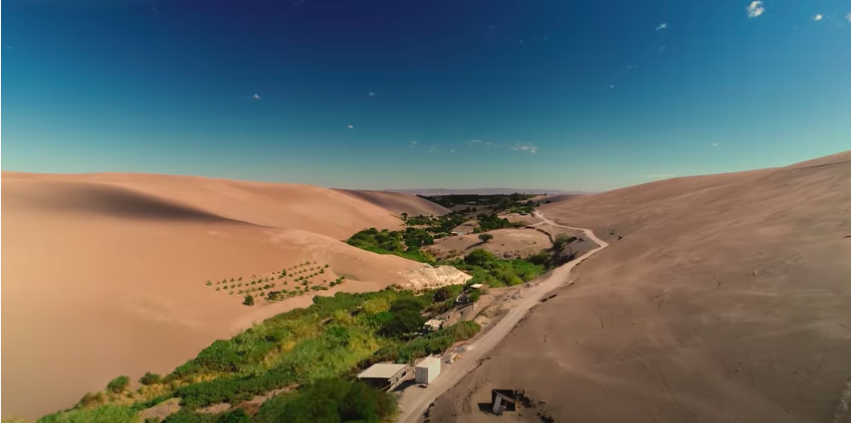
503 400
477 286
432 325
427 369
385 376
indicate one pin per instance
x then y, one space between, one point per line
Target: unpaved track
414 400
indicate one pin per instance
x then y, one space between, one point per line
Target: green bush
249 300
150 379
109 413
118 385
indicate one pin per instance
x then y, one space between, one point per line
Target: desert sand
505 243
398 204
105 274
728 299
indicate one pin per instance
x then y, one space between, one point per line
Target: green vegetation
492 271
401 243
485 237
249 300
118 385
316 350
108 413
150 379
490 222
514 203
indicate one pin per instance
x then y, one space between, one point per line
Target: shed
384 375
427 369
503 400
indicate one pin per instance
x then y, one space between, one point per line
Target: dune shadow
118 202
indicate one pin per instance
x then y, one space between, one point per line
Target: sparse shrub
231 279
150 379
118 385
326 266
209 283
218 288
249 300
230 293
90 399
240 279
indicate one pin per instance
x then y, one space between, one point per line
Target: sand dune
398 203
105 274
727 299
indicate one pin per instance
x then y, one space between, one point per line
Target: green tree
485 237
442 294
249 300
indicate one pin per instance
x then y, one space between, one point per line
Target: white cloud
452 150
256 96
413 144
371 94
755 9
662 49
434 149
611 86
522 146
848 17
662 26
351 127
715 144
818 17
660 175
474 142
631 66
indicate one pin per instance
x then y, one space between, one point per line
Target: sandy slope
728 299
513 242
104 274
398 203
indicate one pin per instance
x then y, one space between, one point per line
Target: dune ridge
111 268
720 298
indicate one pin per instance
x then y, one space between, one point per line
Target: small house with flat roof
384 376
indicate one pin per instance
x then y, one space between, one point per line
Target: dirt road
414 400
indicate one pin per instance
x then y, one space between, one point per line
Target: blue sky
425 93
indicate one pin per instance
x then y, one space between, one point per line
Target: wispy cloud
755 9
612 86
631 67
452 150
372 94
714 144
434 149
256 96
662 26
662 49
848 17
818 17
660 175
523 146
413 144
351 127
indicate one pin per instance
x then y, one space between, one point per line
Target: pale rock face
427 277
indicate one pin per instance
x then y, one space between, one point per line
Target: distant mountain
484 191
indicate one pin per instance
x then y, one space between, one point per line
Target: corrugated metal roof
382 371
